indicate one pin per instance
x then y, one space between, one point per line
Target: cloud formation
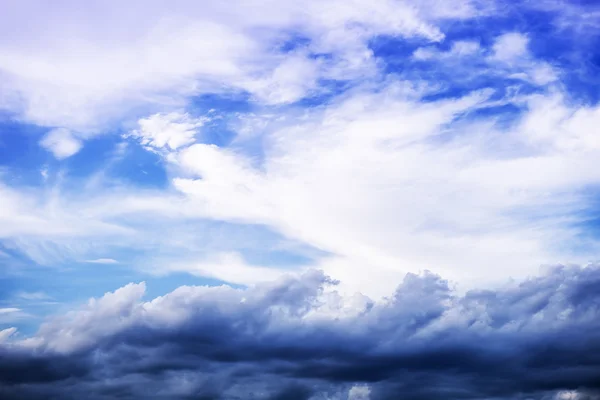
299 336
166 55
299 158
61 143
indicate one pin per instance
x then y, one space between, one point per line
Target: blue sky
208 145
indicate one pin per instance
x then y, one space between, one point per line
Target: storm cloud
298 338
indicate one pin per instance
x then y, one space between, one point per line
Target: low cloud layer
297 338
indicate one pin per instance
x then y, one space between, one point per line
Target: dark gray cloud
299 339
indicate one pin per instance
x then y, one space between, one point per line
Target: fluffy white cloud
510 46
61 142
359 392
169 131
79 74
370 180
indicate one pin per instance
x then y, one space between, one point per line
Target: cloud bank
297 337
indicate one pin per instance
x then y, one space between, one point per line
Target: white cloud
460 48
543 74
511 46
169 131
465 48
102 261
359 392
567 395
80 75
33 296
293 79
5 334
61 142
44 173
374 179
367 181
11 315
227 267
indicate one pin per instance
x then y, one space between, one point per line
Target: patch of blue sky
233 102
21 157
92 157
504 116
587 218
329 89
394 51
256 243
222 109
292 41
576 55
138 167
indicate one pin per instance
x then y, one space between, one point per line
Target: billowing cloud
298 336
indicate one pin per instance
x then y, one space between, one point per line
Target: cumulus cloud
359 392
61 142
534 339
169 131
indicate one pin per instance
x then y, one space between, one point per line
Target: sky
317 200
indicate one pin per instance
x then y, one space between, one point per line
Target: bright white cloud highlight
102 261
5 334
79 74
359 392
170 131
61 142
510 46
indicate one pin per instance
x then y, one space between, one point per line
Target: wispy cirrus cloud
102 261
